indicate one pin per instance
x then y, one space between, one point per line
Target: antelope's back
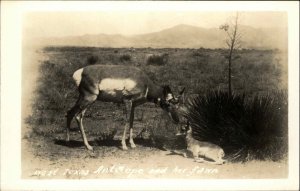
99 72
112 82
96 73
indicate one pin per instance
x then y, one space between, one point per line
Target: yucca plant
246 128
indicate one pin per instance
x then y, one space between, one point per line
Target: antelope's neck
189 136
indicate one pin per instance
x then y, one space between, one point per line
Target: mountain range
179 36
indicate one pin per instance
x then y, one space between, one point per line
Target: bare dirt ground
51 158
54 159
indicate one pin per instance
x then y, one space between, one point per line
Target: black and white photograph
139 91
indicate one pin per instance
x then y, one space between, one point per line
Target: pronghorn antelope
118 84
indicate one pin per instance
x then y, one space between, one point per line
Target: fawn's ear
181 96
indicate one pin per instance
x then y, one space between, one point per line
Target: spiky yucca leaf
246 128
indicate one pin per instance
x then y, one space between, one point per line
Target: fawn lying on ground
202 150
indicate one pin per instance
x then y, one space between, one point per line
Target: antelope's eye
173 101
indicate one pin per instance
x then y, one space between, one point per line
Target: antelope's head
170 103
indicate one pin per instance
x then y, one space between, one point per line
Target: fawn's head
170 103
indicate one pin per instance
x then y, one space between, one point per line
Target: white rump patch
77 76
110 85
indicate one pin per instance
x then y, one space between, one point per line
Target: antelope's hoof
124 148
221 162
92 153
90 148
199 160
133 146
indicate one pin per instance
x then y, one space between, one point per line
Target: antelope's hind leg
78 111
79 119
199 160
70 115
216 161
220 162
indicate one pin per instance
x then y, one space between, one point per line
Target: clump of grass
246 128
107 134
163 134
158 60
55 93
125 58
93 59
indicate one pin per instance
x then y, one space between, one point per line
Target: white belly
110 85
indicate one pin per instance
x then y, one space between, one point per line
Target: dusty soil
46 157
52 158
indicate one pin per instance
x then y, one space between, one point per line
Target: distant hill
180 36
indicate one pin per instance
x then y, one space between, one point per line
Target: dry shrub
159 60
93 59
125 58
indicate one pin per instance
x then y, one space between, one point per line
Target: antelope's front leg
138 101
124 147
129 122
197 158
131 118
127 108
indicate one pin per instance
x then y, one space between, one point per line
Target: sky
59 24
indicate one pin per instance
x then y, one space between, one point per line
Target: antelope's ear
182 91
166 90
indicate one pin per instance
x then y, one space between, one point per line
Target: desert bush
125 58
69 48
159 59
55 92
162 133
93 59
246 128
107 134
